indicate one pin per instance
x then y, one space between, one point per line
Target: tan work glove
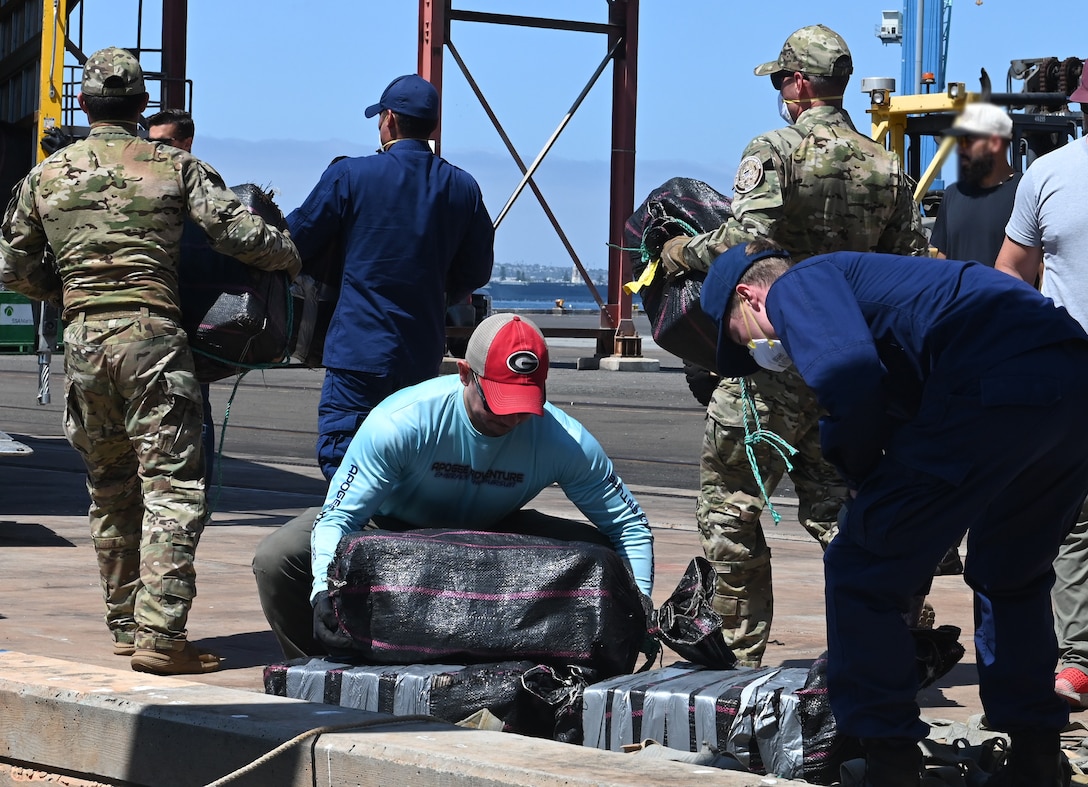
672 257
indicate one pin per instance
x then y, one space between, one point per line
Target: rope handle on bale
759 434
652 263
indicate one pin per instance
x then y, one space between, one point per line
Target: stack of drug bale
450 623
541 636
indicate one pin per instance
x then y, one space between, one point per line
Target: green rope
246 368
647 257
222 439
759 434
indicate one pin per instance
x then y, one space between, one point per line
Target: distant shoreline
537 297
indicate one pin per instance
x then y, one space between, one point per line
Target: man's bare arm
1023 262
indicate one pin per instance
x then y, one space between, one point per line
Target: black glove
651 644
326 628
54 139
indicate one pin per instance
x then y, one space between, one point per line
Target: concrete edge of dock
92 725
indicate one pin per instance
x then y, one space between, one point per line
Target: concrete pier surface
648 421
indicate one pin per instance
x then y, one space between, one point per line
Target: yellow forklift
1042 120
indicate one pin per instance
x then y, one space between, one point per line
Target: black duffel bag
469 597
679 207
236 316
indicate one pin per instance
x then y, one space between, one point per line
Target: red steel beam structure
622 14
175 15
434 32
617 334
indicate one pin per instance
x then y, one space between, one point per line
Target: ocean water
542 305
541 296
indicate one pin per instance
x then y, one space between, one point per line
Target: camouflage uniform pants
133 412
730 502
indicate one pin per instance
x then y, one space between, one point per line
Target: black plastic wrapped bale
560 692
679 207
468 597
825 749
757 715
687 622
314 294
235 315
448 692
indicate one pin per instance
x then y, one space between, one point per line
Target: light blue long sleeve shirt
418 458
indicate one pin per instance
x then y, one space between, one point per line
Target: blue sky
280 88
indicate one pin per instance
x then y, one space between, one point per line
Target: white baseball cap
982 120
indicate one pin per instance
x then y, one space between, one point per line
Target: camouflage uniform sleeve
904 234
757 204
24 266
231 228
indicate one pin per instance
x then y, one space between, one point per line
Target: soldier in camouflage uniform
111 208
815 186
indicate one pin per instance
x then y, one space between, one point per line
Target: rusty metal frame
617 334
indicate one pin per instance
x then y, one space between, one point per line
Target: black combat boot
1035 759
892 762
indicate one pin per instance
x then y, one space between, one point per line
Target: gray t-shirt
1049 212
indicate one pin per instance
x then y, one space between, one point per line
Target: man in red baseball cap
1081 93
464 450
507 359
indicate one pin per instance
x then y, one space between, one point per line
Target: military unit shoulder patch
749 175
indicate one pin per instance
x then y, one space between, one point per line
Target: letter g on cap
523 362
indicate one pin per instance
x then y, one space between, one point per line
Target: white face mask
784 110
770 354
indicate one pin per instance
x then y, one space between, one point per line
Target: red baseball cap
509 355
1081 93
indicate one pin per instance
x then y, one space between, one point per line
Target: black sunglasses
778 78
480 389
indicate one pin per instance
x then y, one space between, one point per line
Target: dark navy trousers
347 397
1002 455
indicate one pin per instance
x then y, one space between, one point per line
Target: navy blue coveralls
414 231
955 399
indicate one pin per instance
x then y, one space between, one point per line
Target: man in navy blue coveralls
415 234
955 402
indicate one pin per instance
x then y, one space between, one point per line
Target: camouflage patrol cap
113 72
816 50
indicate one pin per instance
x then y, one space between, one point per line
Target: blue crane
922 29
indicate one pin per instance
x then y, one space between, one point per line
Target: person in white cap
971 222
1047 236
459 450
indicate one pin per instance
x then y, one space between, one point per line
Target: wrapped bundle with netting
467 597
679 207
237 317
